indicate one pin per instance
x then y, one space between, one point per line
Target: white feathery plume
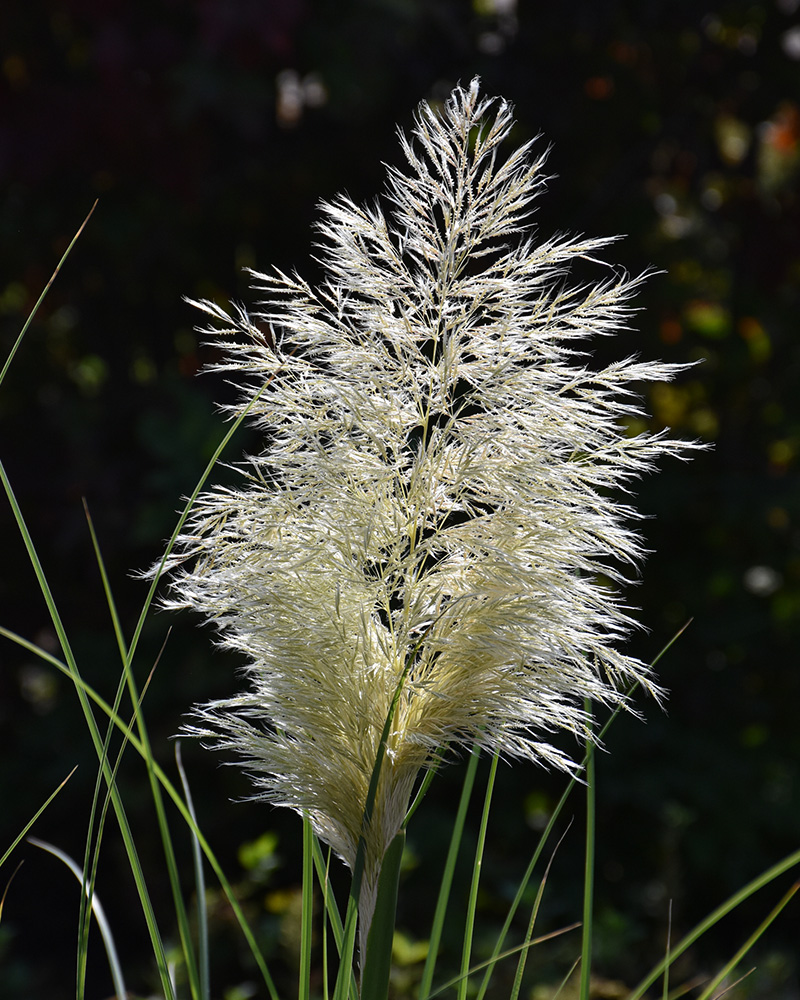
438 498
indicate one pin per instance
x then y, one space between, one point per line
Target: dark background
208 131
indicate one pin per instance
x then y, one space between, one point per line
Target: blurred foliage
208 131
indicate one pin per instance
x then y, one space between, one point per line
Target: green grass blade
347 951
6 888
588 875
790 861
331 909
92 858
516 988
199 881
331 912
554 818
127 680
425 784
757 933
6 366
304 986
477 865
563 984
543 839
184 930
447 876
665 989
489 962
97 909
41 298
127 656
35 816
734 984
80 688
91 866
498 948
325 897
168 787
378 960
107 591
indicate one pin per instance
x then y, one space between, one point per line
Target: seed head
437 506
